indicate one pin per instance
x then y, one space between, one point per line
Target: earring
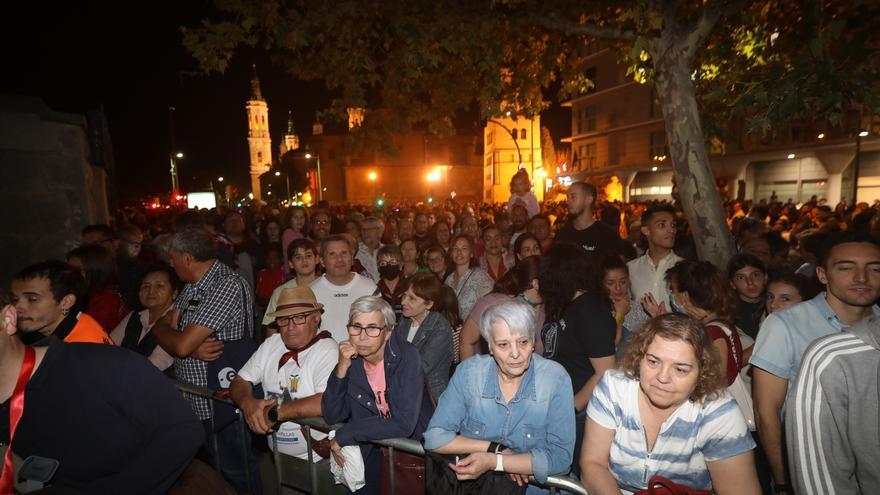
64 312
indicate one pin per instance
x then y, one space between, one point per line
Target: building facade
618 130
508 145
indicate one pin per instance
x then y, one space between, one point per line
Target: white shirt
159 357
368 260
337 300
529 200
644 277
292 381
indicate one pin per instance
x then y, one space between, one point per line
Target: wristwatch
273 414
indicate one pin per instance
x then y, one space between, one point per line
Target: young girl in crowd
788 289
748 277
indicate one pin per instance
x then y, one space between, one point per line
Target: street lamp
220 179
372 176
179 155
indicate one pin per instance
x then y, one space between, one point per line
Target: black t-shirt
598 240
114 422
748 317
586 330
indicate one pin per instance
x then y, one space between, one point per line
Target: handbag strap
16 410
727 331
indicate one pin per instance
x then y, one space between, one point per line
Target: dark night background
128 58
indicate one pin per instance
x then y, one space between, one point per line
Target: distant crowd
580 337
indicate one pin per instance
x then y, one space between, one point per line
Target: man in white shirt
293 366
371 240
647 273
338 287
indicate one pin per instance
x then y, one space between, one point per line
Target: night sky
128 57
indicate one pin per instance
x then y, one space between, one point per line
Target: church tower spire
259 142
291 140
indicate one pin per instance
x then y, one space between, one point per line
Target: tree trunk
687 149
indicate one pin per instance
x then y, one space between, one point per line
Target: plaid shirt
222 301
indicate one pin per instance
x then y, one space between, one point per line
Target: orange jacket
88 330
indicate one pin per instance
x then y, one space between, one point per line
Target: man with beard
582 229
647 273
850 270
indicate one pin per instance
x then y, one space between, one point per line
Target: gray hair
370 304
518 316
374 222
196 242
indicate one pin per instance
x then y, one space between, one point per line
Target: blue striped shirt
694 434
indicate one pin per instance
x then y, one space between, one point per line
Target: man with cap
293 366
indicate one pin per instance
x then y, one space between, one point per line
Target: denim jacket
538 420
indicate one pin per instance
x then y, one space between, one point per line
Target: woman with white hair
511 412
378 387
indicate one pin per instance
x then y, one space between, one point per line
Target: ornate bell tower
259 142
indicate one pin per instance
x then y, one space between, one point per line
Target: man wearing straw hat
293 366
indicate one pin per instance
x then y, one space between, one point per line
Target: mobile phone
38 469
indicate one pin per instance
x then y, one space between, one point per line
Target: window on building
658 146
589 156
522 134
259 156
489 137
496 173
589 119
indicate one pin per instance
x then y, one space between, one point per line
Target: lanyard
16 408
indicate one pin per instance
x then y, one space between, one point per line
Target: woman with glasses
378 388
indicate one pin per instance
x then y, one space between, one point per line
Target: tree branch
709 18
588 29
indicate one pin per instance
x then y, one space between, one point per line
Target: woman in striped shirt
665 412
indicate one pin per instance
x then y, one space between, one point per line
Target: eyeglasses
388 263
321 222
296 319
372 330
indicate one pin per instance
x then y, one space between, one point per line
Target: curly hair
673 326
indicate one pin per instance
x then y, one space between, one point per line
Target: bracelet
499 462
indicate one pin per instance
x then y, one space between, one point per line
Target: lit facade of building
508 145
618 130
425 169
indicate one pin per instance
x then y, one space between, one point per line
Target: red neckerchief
294 354
16 409
502 269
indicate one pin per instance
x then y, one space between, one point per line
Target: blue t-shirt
785 336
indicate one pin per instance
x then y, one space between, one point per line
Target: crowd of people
565 338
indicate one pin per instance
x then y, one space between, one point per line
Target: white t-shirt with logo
292 381
337 300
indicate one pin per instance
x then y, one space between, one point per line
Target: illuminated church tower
259 142
291 140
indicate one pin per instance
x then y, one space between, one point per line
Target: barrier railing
407 445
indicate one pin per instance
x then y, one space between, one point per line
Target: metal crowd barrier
554 483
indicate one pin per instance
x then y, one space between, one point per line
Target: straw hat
295 301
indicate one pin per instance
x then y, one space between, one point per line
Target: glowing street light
821 135
179 155
863 134
308 155
791 156
372 176
433 176
277 173
220 179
